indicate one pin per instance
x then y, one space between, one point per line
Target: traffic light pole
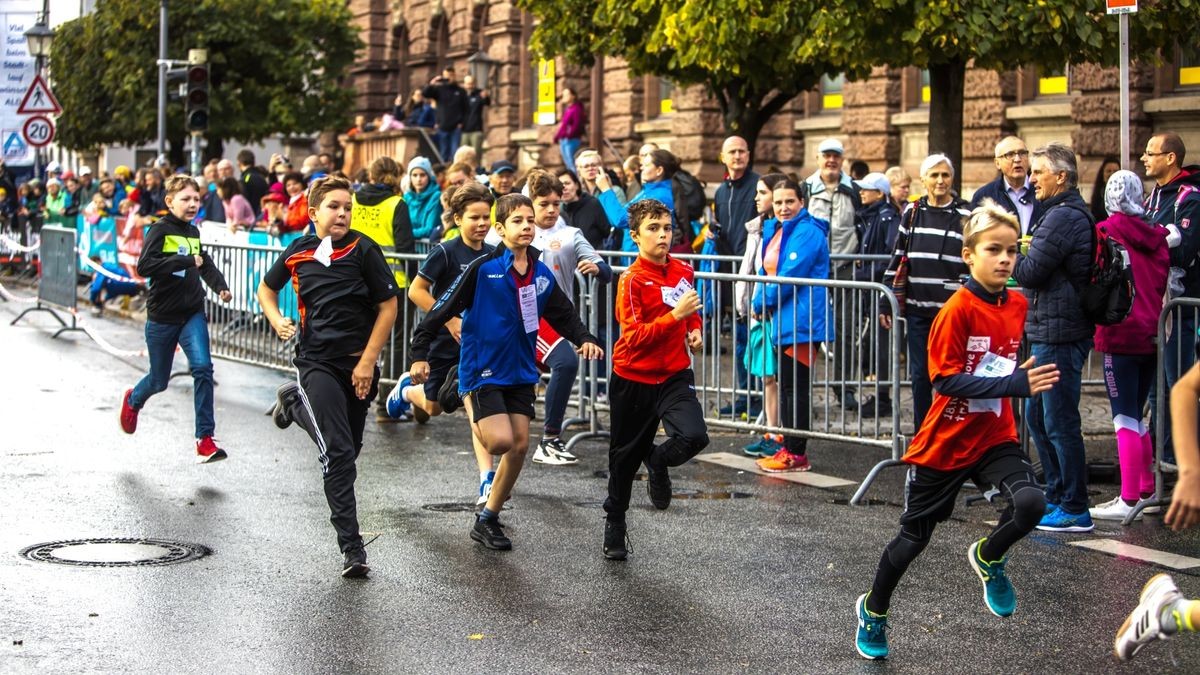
162 79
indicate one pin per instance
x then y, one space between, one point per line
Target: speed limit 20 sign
38 131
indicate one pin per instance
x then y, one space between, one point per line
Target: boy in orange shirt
652 377
969 432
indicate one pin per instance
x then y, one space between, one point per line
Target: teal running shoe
871 642
998 592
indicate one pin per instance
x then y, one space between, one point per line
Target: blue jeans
563 363
1054 425
448 142
192 336
918 367
568 147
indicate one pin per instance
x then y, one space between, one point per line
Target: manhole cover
115 552
451 507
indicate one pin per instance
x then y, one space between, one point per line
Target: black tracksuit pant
334 418
636 410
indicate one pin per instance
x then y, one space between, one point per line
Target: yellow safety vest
375 221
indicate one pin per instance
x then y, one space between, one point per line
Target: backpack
1108 297
693 201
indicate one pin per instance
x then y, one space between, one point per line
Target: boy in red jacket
652 378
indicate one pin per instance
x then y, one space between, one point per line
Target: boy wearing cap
878 223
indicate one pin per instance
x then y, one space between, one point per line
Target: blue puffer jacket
619 216
1058 265
799 314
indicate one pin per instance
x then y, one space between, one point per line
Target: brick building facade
882 120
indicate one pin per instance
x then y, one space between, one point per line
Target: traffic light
196 110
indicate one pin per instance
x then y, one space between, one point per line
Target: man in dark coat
451 111
1052 273
1012 190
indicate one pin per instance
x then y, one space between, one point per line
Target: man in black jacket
451 111
1012 190
477 100
254 184
1175 204
1057 265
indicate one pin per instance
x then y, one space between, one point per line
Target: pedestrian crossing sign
14 147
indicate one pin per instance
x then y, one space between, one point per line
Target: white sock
483 476
404 394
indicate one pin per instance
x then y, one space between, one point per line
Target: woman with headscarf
424 198
1129 347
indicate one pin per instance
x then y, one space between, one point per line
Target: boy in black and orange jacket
652 377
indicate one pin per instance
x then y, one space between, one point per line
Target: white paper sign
671 296
990 365
527 296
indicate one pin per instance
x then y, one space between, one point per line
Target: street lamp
40 37
482 67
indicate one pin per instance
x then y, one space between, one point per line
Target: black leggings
794 408
1026 505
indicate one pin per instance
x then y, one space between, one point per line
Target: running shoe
129 414
874 407
397 405
207 451
765 447
1144 624
284 396
1062 520
783 462
755 448
658 486
448 396
550 451
998 592
1114 509
491 534
614 540
485 490
871 639
354 565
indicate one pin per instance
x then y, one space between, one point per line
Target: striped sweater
931 238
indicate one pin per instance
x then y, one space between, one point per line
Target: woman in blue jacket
656 184
424 198
796 246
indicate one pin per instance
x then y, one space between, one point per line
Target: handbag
900 284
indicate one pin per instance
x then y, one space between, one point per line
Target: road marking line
1123 550
728 459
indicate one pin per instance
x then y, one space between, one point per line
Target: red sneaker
783 462
128 414
207 451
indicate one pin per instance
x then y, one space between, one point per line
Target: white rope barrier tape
15 245
15 298
98 269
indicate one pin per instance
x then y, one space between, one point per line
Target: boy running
501 297
470 207
175 264
347 297
969 432
652 377
564 250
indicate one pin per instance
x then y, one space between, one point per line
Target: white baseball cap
53 167
831 145
85 171
875 181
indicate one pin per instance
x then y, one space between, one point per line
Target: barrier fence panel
56 283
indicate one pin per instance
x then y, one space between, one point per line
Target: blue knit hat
423 164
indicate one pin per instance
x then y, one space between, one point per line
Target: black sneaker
614 541
658 486
284 395
448 396
876 408
848 402
355 564
491 534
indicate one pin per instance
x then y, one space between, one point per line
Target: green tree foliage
945 35
274 68
741 51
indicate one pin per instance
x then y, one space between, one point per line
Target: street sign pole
196 135
162 79
1124 38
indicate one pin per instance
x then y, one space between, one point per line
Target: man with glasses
1174 203
1012 190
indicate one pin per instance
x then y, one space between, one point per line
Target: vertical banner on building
16 72
545 88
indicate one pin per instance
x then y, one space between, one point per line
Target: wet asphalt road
750 574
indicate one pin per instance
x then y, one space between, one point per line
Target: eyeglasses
1010 156
1154 154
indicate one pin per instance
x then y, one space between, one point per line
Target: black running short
439 367
930 493
516 400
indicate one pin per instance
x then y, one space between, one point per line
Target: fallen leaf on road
476 636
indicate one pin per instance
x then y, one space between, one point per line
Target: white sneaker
550 451
1144 624
1150 509
1115 509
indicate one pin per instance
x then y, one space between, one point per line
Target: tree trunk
747 120
946 112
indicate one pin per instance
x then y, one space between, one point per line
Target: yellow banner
546 98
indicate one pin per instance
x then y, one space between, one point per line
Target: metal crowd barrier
1177 342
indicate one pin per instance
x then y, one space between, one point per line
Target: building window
831 91
1053 82
666 96
924 82
1189 66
